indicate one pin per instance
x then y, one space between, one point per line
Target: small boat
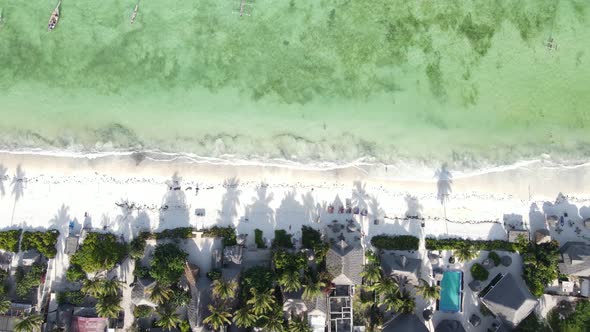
54 18
134 15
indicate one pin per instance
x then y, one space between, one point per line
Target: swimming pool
450 291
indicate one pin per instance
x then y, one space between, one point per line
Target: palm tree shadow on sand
443 183
18 188
3 177
230 201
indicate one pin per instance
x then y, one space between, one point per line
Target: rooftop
345 263
575 259
510 300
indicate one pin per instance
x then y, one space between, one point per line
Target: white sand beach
113 193
43 191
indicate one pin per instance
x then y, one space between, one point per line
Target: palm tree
390 301
244 317
160 294
405 303
386 286
427 291
29 324
261 302
312 289
4 305
224 290
465 253
108 306
290 281
218 318
371 273
274 322
92 287
401 280
110 287
298 324
168 319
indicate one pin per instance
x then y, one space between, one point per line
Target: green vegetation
214 274
140 270
9 240
257 277
427 291
217 318
27 280
282 239
478 272
533 324
99 252
43 242
494 257
137 247
284 260
465 253
142 311
576 320
168 263
540 265
310 237
31 323
399 242
228 234
258 239
75 273
477 245
70 297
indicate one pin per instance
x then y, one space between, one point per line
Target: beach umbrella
427 314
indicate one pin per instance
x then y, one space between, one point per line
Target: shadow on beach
229 202
174 211
443 183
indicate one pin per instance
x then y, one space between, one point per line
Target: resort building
140 294
345 262
400 265
314 310
575 259
510 300
406 323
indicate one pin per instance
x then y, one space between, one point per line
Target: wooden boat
54 18
134 15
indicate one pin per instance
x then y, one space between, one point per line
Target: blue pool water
450 292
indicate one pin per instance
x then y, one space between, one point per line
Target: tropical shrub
214 274
282 239
167 266
43 242
286 261
398 242
478 272
137 247
495 258
142 311
140 270
26 281
70 297
99 252
75 273
540 266
257 277
9 240
310 237
452 244
258 239
175 233
576 321
228 234
532 324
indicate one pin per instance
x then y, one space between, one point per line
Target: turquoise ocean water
463 81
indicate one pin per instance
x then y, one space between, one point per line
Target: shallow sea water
460 81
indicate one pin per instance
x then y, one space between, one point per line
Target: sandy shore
54 190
